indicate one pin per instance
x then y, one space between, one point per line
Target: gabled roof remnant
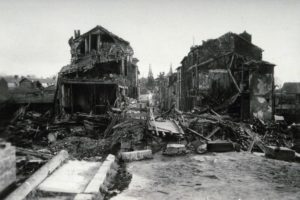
291 87
102 29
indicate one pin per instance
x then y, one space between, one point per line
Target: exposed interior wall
88 97
261 84
219 84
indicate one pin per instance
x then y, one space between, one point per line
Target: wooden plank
110 126
198 134
213 132
258 142
23 151
251 145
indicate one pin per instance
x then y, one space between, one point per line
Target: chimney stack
76 33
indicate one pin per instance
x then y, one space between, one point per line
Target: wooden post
71 98
90 42
86 46
98 42
231 76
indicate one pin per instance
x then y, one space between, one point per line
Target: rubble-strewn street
216 117
212 176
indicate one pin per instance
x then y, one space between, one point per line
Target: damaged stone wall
99 60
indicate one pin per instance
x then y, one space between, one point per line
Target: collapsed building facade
227 72
102 69
287 101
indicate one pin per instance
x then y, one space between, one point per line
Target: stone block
136 155
97 184
280 153
7 165
175 149
220 146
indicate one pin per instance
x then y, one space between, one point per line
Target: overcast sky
34 33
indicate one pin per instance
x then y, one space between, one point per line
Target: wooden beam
198 134
213 132
251 145
231 76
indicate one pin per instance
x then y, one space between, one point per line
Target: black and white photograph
150 100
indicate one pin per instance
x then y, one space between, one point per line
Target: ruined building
227 72
102 69
287 101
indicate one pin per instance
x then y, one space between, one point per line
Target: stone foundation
7 165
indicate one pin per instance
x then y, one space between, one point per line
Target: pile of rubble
129 134
81 147
217 127
210 131
28 127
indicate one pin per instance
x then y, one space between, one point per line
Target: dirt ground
213 176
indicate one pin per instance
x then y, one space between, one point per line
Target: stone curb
100 181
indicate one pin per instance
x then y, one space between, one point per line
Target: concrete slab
166 126
72 177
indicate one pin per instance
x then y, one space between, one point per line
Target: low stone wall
7 165
136 155
102 179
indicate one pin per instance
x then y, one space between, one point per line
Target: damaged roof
291 87
103 30
258 62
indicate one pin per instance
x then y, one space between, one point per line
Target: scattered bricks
136 155
220 146
7 165
175 149
280 153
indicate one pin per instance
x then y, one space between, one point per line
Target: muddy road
232 175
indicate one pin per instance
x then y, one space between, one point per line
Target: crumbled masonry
94 125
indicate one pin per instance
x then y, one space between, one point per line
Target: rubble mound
81 147
129 134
